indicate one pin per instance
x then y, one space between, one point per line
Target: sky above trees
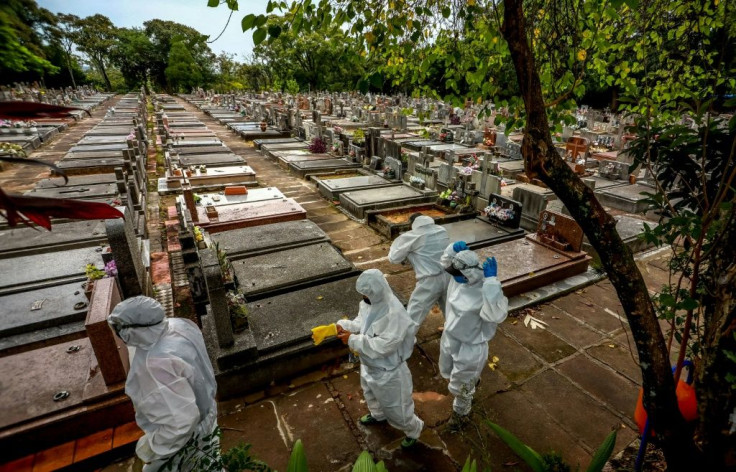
194 13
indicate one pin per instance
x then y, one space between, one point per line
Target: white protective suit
423 246
171 382
382 337
472 312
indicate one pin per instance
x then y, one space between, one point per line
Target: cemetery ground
563 388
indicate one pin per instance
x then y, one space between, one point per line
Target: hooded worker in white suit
382 335
171 384
423 246
475 306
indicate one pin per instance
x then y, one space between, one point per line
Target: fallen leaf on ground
320 297
611 345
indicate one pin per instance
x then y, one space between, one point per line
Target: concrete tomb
332 188
241 215
321 166
499 223
357 202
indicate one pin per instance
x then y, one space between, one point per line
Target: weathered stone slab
332 188
525 264
419 144
90 166
109 131
285 320
189 151
211 160
288 268
97 140
269 238
284 158
188 143
479 232
110 351
268 149
42 270
257 143
26 241
253 195
322 166
358 202
534 200
258 134
29 311
99 147
627 198
244 215
76 181
81 192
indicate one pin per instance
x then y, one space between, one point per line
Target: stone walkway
563 389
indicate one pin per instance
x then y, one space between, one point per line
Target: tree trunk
542 161
69 66
101 66
716 400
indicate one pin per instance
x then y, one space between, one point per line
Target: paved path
562 389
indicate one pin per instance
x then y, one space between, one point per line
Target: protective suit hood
373 285
467 262
422 220
138 321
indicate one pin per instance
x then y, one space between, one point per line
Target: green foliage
93 273
22 24
553 462
240 458
182 71
297 460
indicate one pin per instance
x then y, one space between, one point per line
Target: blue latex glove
490 267
460 279
460 246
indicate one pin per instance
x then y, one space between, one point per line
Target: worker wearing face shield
382 335
422 247
171 384
475 306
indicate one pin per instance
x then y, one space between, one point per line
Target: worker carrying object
475 306
171 384
423 247
382 334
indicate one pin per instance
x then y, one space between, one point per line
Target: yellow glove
321 332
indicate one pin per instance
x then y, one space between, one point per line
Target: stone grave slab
288 268
357 202
243 215
77 181
322 166
40 374
289 317
42 270
97 140
25 141
187 143
90 166
511 168
332 188
419 144
189 151
630 229
91 155
97 148
213 160
479 232
284 158
394 221
214 178
257 143
280 327
265 239
249 135
627 198
109 131
526 264
268 149
603 183
46 307
27 241
80 192
253 195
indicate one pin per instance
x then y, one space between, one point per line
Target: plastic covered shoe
408 442
457 422
369 419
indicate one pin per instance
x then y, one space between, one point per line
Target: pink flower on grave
111 269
